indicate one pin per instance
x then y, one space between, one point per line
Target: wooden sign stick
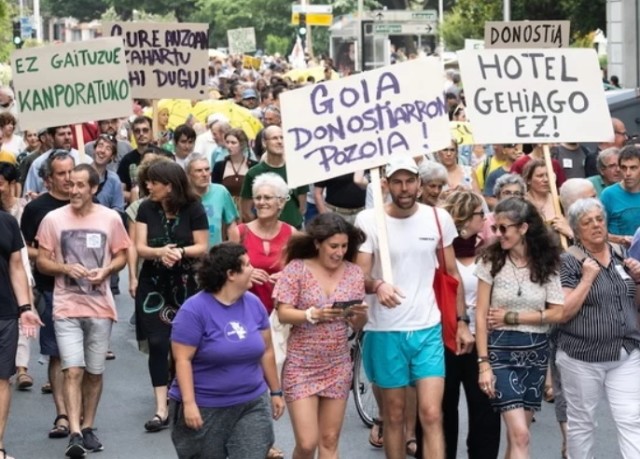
381 226
554 190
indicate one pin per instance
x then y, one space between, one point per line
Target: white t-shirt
412 244
470 285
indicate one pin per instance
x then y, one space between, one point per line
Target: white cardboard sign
535 96
526 34
241 40
165 60
340 126
71 83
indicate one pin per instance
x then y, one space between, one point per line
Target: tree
467 17
82 10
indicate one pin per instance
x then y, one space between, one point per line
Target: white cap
401 163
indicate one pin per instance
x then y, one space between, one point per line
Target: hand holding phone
346 305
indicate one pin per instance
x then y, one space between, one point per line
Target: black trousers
483 441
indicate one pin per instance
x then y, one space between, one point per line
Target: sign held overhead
337 127
71 83
541 95
526 34
165 60
241 40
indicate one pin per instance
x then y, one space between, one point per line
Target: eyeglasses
109 137
59 154
264 198
624 134
145 130
509 194
481 213
611 166
502 228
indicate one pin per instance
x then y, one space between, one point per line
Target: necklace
515 274
236 172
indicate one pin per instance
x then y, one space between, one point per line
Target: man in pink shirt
82 244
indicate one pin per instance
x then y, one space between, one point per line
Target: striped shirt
607 320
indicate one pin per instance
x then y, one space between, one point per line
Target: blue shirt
623 210
110 192
220 208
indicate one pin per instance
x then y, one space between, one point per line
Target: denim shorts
8 347
394 359
519 362
48 343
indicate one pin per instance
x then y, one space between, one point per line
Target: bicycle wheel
362 389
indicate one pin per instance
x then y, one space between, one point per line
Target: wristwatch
464 319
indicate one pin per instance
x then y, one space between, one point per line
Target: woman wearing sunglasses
519 294
483 440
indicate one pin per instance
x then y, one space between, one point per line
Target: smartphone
344 305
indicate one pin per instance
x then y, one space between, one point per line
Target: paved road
127 403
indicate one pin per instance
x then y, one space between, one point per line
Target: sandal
156 423
275 453
4 454
375 437
59 430
412 447
25 381
549 396
46 388
110 355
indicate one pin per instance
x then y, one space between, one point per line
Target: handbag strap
440 250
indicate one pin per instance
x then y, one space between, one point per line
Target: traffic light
17 34
302 28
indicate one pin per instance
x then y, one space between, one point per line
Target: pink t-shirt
91 241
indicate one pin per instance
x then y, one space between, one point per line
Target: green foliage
275 44
6 31
82 10
467 17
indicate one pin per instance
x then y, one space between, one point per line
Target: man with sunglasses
62 139
128 167
109 128
403 341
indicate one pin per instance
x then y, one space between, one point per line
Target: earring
463 232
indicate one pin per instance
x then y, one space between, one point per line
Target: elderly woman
598 345
458 176
320 293
266 237
433 177
519 294
227 389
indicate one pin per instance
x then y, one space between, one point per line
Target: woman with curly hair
519 294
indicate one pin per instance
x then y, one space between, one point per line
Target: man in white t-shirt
403 340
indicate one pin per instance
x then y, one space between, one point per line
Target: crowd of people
224 260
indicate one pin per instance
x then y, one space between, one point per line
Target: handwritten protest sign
461 132
541 95
241 40
165 59
526 34
341 126
71 83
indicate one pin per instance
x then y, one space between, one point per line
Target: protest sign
71 83
541 95
251 63
165 60
359 122
526 34
241 40
461 132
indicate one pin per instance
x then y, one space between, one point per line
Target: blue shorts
394 359
48 343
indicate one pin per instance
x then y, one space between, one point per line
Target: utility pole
506 10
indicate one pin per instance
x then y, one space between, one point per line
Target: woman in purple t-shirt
226 389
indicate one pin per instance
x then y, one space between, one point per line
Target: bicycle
361 387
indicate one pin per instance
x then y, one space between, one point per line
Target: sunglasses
502 228
59 154
145 130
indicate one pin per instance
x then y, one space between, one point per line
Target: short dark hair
8 171
168 172
94 178
142 120
52 130
7 118
324 226
213 271
184 130
628 152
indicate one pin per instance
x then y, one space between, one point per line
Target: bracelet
380 282
24 308
516 318
483 359
484 370
508 318
276 393
309 317
182 252
464 319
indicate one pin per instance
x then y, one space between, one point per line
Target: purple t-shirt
226 365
